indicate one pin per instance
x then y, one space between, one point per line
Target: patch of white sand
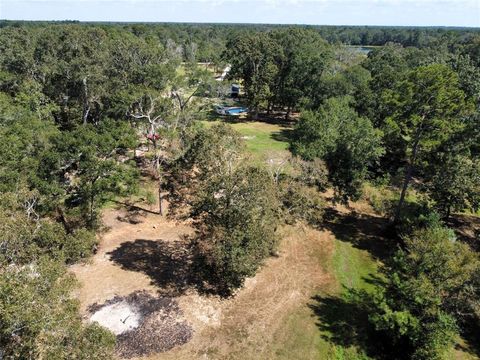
118 318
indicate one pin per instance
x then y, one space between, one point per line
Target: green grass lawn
329 327
325 327
314 329
261 138
352 266
304 334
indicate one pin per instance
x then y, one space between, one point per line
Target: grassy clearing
305 335
261 138
267 320
302 334
315 329
301 338
352 266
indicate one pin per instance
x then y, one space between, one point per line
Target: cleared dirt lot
102 278
141 251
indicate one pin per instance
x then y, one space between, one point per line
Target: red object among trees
153 136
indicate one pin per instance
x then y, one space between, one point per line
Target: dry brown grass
102 279
241 327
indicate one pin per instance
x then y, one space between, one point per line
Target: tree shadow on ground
133 217
170 265
343 321
284 135
365 232
276 118
132 208
167 263
471 336
467 229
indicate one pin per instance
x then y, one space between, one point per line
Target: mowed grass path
311 331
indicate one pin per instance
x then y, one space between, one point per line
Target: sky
318 12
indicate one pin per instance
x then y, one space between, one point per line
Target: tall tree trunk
406 181
408 177
255 112
156 163
159 175
160 197
287 115
136 142
86 107
92 210
447 208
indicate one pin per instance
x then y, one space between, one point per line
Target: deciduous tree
346 142
237 214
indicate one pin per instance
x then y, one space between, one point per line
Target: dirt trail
237 328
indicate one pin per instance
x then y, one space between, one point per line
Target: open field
139 256
294 308
273 316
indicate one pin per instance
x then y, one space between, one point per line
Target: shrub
380 198
151 198
23 239
302 203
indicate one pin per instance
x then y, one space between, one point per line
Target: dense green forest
89 111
